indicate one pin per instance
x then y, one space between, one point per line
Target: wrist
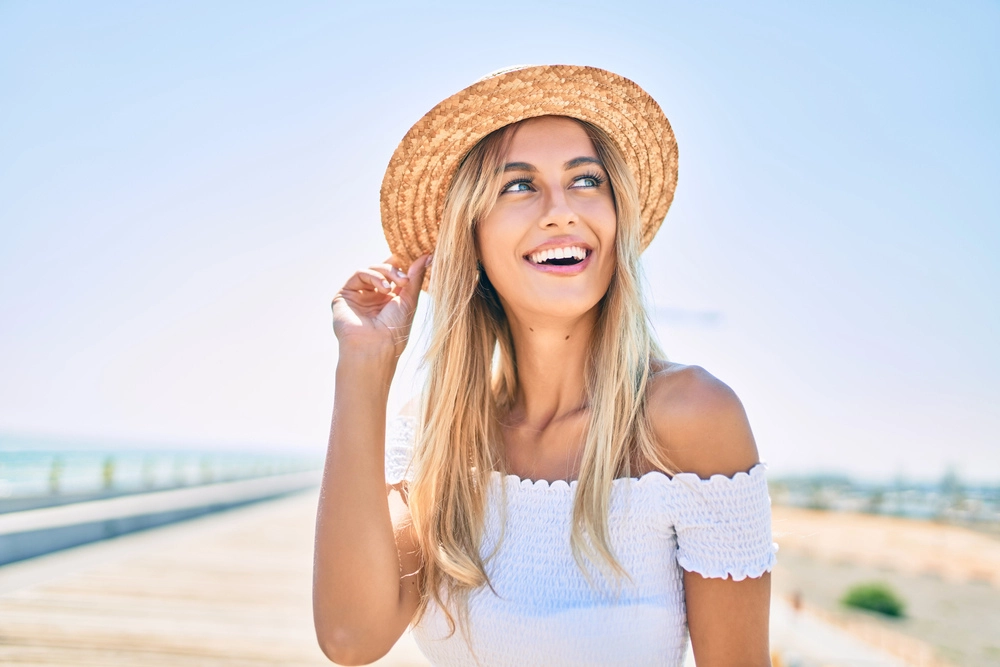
376 361
367 349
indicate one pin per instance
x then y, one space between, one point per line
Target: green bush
876 596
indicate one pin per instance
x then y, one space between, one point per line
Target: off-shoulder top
546 613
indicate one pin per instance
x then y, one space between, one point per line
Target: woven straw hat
421 169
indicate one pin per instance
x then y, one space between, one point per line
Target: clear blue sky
184 185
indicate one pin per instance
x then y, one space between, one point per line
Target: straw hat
421 168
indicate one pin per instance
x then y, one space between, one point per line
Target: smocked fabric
546 613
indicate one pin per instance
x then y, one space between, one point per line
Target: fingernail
430 260
385 284
400 273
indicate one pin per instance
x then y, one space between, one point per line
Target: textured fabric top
547 613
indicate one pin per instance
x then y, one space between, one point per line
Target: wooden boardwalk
234 588
229 589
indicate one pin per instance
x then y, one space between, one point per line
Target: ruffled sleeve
399 437
723 524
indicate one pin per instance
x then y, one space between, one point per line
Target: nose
558 211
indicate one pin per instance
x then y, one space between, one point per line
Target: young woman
563 495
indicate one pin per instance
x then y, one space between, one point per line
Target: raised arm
361 601
704 427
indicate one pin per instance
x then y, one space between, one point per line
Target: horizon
70 444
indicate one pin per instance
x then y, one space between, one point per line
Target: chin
561 304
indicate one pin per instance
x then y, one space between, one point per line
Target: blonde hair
472 381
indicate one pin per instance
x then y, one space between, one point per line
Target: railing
40 478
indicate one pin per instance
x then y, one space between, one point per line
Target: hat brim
423 165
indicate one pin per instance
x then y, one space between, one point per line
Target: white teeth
575 252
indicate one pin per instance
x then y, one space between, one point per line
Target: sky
184 186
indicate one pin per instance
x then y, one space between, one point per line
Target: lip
568 270
561 242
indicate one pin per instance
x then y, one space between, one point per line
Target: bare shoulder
699 421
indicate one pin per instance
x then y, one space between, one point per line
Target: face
547 245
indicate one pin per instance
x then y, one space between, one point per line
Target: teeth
558 253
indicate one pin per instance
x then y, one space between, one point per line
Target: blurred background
184 186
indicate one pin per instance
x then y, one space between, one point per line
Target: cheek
496 245
492 264
601 216
606 228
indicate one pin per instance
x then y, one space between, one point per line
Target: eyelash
514 182
600 180
595 176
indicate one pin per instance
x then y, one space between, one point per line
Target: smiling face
547 245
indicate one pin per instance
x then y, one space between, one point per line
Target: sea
32 467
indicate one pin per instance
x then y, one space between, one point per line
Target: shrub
875 596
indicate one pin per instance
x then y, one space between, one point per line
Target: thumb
411 291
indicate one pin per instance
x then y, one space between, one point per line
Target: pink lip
568 270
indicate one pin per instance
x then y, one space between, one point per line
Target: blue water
45 468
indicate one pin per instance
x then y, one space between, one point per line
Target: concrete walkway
34 532
234 588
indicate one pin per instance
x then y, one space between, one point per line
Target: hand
375 307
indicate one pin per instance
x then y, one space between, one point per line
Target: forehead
556 137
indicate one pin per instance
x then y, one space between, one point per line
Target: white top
547 614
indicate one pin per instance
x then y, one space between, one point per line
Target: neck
552 356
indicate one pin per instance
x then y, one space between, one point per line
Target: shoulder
699 422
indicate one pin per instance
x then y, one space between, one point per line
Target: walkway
229 589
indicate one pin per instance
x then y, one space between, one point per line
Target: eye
518 185
588 181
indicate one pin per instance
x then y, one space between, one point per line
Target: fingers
415 279
380 278
384 281
398 276
392 265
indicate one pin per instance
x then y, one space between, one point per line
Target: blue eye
516 186
588 181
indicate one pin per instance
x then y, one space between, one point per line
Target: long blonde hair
472 382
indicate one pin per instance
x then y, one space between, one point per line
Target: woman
563 495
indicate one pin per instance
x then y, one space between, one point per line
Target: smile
570 259
559 256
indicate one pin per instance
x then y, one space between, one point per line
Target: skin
365 577
551 316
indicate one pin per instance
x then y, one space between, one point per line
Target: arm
704 427
728 620
361 601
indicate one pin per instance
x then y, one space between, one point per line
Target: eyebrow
572 164
577 161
